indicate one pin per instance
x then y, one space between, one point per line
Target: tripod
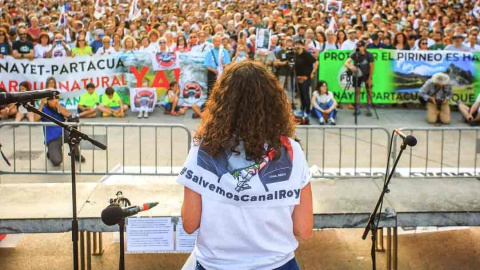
74 139
368 88
292 75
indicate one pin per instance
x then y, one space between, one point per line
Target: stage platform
345 203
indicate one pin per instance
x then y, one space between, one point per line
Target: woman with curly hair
246 180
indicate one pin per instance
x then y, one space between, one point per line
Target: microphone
22 97
409 140
113 214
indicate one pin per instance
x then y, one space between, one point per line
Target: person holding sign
215 61
246 171
361 65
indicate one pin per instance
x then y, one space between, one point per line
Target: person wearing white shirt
424 34
106 48
351 42
229 188
42 48
59 48
203 44
471 115
472 43
146 46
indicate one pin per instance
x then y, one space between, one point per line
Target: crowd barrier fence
331 151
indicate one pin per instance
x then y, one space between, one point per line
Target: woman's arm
315 105
303 214
191 210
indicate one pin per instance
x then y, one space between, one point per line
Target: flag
99 9
333 24
62 20
134 11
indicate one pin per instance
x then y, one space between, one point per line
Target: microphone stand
123 202
371 225
74 139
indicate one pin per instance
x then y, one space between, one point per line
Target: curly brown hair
246 105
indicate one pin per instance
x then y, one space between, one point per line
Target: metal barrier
147 149
441 152
345 151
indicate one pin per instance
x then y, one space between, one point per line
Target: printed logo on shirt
269 171
277 195
166 59
24 49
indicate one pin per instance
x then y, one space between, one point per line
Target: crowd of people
226 31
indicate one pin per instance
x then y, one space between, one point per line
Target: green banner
399 75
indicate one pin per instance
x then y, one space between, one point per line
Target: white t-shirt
349 45
246 220
59 51
314 46
101 51
331 46
323 99
41 51
204 47
150 49
430 42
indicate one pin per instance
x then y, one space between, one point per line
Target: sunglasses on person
424 43
162 42
81 40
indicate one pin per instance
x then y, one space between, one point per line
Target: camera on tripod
290 56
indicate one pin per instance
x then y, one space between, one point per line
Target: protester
81 47
247 159
112 104
171 100
215 61
457 44
324 104
8 110
436 93
21 110
471 115
305 68
87 107
360 63
22 48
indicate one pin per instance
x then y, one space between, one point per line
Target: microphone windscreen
410 141
112 215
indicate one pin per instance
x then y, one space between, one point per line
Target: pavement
327 249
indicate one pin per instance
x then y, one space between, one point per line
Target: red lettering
115 81
84 81
123 80
2 85
160 80
105 81
12 86
176 73
138 76
64 85
75 86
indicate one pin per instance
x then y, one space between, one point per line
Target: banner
142 98
121 71
263 39
399 75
